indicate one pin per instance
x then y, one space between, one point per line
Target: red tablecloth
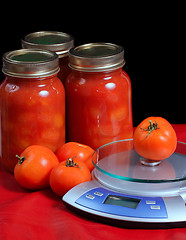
42 215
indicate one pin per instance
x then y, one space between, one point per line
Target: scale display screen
122 201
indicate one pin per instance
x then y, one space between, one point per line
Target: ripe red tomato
34 166
68 174
76 151
155 139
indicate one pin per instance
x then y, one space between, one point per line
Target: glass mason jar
57 42
98 95
32 103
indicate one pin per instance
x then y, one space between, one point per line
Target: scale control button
90 196
98 194
150 202
156 207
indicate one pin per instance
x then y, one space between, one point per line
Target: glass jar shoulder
95 80
31 94
26 86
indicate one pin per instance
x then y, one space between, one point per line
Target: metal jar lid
96 57
58 42
30 63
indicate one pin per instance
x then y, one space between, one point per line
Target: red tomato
68 174
155 139
34 166
76 151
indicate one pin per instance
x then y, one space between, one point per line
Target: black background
153 37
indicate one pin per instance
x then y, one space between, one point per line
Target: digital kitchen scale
129 190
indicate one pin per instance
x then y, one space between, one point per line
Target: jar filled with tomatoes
58 42
32 103
98 94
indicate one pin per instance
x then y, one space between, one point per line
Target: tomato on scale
155 139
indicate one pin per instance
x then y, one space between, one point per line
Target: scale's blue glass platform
125 189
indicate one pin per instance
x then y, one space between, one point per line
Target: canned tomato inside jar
98 93
58 42
32 103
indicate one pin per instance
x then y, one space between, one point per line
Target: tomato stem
70 163
20 159
150 128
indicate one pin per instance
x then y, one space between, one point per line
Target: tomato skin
76 151
159 144
63 178
35 170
